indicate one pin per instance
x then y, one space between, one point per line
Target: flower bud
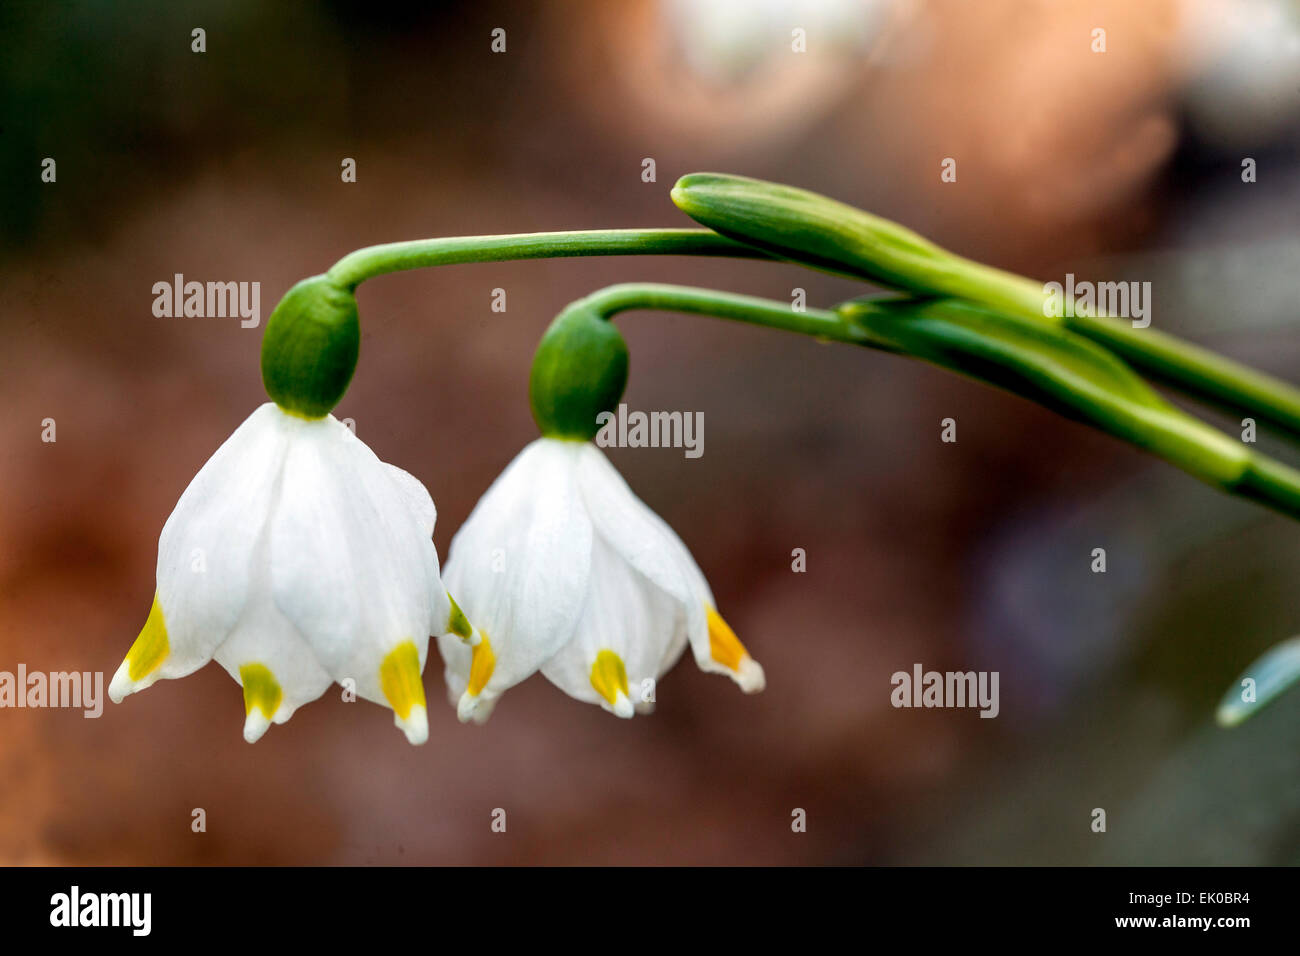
807 227
579 371
815 231
310 346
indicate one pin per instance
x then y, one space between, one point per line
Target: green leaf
1270 676
1053 367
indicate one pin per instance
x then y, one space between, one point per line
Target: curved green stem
818 323
356 267
1056 368
1192 369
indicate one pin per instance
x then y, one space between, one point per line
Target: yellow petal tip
609 680
482 664
726 651
399 679
144 658
261 692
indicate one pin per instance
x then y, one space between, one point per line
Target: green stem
1270 483
1160 429
1167 358
356 267
1197 371
819 323
1190 368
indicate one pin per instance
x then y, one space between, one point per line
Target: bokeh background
226 166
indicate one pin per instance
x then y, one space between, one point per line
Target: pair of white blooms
297 559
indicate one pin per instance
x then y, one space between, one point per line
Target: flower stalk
817 232
1056 368
356 267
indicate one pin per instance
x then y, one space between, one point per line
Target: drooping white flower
297 558
564 570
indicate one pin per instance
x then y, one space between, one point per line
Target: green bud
815 231
804 226
579 371
310 346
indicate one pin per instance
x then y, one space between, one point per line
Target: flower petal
519 568
205 554
630 633
417 497
421 505
273 663
351 569
638 535
646 542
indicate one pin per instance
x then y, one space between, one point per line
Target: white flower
564 570
296 558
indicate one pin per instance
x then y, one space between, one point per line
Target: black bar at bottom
302 905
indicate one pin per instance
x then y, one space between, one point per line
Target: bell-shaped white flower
297 558
564 570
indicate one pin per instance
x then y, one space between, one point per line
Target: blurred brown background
225 166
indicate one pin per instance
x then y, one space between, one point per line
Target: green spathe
310 347
579 371
816 231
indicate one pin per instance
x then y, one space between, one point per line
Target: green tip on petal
457 623
1262 683
310 347
579 372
